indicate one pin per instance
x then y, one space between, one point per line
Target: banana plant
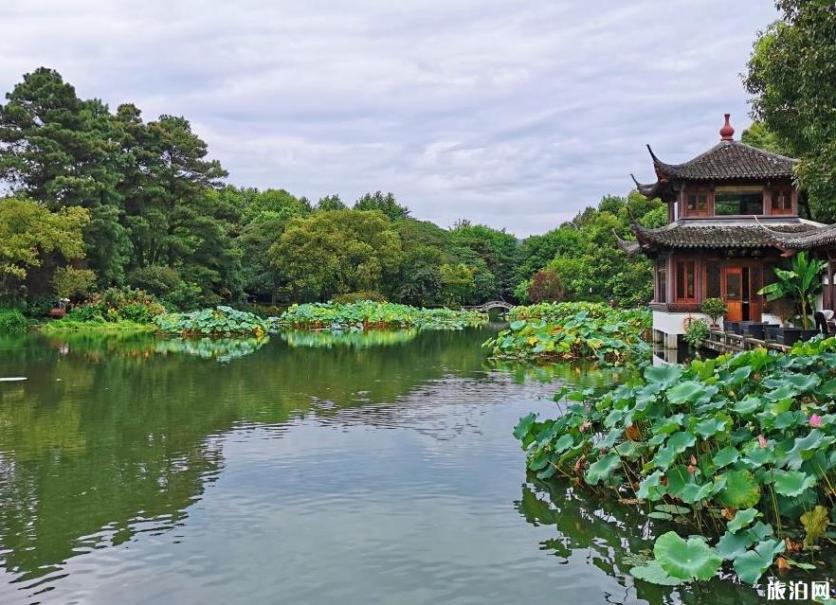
800 283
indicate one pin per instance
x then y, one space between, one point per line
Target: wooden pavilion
733 215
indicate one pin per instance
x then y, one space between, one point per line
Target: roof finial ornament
727 132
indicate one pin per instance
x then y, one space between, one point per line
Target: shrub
545 286
353 297
72 283
118 304
696 332
715 308
12 321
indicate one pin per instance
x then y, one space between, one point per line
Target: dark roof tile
729 160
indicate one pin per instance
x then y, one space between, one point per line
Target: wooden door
733 292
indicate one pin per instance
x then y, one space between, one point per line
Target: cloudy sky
513 113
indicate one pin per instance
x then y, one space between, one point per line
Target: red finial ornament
727 132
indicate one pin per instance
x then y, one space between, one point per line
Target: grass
73 326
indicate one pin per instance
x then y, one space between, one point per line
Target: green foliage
800 284
73 325
220 321
758 135
12 321
715 308
696 332
331 253
119 304
730 440
72 283
387 204
365 315
549 331
354 297
791 75
458 282
30 234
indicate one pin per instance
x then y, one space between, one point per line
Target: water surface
306 469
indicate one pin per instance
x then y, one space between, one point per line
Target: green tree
330 202
792 77
385 203
63 151
492 252
758 135
331 253
30 233
458 283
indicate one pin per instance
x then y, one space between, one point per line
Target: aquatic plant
552 331
218 321
366 315
738 449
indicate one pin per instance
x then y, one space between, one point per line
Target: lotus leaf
752 564
792 483
690 559
741 491
602 468
743 518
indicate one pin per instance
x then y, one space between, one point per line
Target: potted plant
715 308
799 284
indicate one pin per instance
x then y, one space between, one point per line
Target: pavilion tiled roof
734 233
728 160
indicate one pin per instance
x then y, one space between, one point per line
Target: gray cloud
516 114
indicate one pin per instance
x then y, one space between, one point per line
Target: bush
715 308
72 283
12 321
545 286
696 332
353 297
120 304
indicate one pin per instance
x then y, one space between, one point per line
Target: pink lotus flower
815 420
762 441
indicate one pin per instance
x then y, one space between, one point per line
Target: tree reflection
106 434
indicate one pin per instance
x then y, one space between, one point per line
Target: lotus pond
301 468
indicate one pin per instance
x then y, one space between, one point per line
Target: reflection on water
131 472
356 338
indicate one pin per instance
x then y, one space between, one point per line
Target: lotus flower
762 441
815 420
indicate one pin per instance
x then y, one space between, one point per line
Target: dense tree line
103 198
792 77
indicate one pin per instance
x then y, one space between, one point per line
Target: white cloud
515 113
